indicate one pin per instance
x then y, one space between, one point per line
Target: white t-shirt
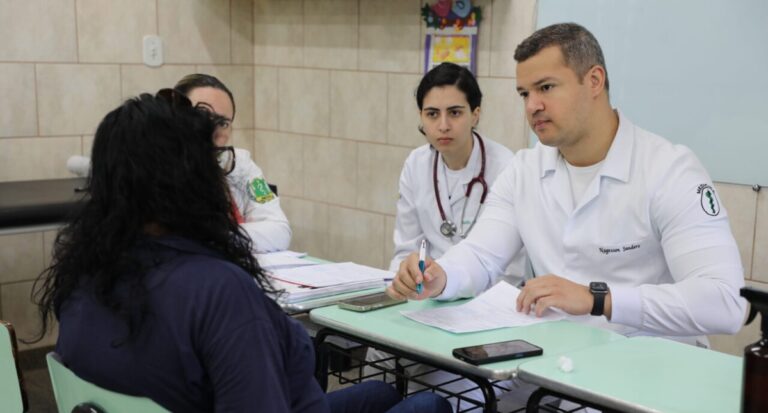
581 177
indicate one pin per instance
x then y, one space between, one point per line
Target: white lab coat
265 222
418 216
645 226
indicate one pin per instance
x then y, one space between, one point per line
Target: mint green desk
644 374
389 330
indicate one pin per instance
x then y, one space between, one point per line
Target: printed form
499 301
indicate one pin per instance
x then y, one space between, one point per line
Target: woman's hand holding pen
409 275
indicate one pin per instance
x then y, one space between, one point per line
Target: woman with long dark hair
155 288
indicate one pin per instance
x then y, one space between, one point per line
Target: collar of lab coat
616 165
617 162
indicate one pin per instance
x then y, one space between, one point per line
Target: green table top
390 328
645 374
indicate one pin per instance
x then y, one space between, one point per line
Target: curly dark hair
153 169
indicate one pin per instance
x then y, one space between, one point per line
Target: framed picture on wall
451 36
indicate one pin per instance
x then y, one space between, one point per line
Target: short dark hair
579 47
446 74
198 80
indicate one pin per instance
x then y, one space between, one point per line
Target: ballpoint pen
422 264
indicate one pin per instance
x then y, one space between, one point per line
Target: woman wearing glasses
256 207
169 303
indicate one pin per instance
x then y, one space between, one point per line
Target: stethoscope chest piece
448 228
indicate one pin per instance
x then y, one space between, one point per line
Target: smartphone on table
493 352
369 302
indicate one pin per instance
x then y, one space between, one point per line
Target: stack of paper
296 293
323 280
324 275
500 302
283 259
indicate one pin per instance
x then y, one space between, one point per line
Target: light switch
153 50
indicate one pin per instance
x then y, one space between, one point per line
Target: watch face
598 287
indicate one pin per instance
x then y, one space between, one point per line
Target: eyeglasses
226 157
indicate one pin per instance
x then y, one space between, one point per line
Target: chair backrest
71 391
13 398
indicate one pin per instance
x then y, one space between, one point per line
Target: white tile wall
402 110
26 159
304 101
309 223
330 34
113 31
330 167
346 240
359 102
18 108
512 21
278 32
195 31
281 157
389 35
378 169
38 30
72 99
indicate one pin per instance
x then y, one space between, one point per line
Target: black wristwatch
599 290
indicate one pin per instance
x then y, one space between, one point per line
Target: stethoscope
448 228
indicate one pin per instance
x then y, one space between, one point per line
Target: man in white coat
624 229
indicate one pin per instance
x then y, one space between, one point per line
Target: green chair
74 394
13 398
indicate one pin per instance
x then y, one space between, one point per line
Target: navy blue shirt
213 341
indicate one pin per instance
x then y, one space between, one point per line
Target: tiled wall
65 63
325 102
336 114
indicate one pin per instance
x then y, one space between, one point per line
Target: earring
421 130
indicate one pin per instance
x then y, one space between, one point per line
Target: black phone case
459 354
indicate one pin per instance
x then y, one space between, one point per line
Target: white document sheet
492 309
323 275
282 259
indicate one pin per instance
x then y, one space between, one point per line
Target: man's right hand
409 274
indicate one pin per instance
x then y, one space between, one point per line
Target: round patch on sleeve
709 202
259 191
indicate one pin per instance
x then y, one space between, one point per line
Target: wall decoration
452 27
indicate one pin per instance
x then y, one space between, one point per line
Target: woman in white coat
256 207
445 182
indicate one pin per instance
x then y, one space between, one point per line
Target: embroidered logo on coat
259 191
709 202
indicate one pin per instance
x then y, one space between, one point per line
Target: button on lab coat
649 225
